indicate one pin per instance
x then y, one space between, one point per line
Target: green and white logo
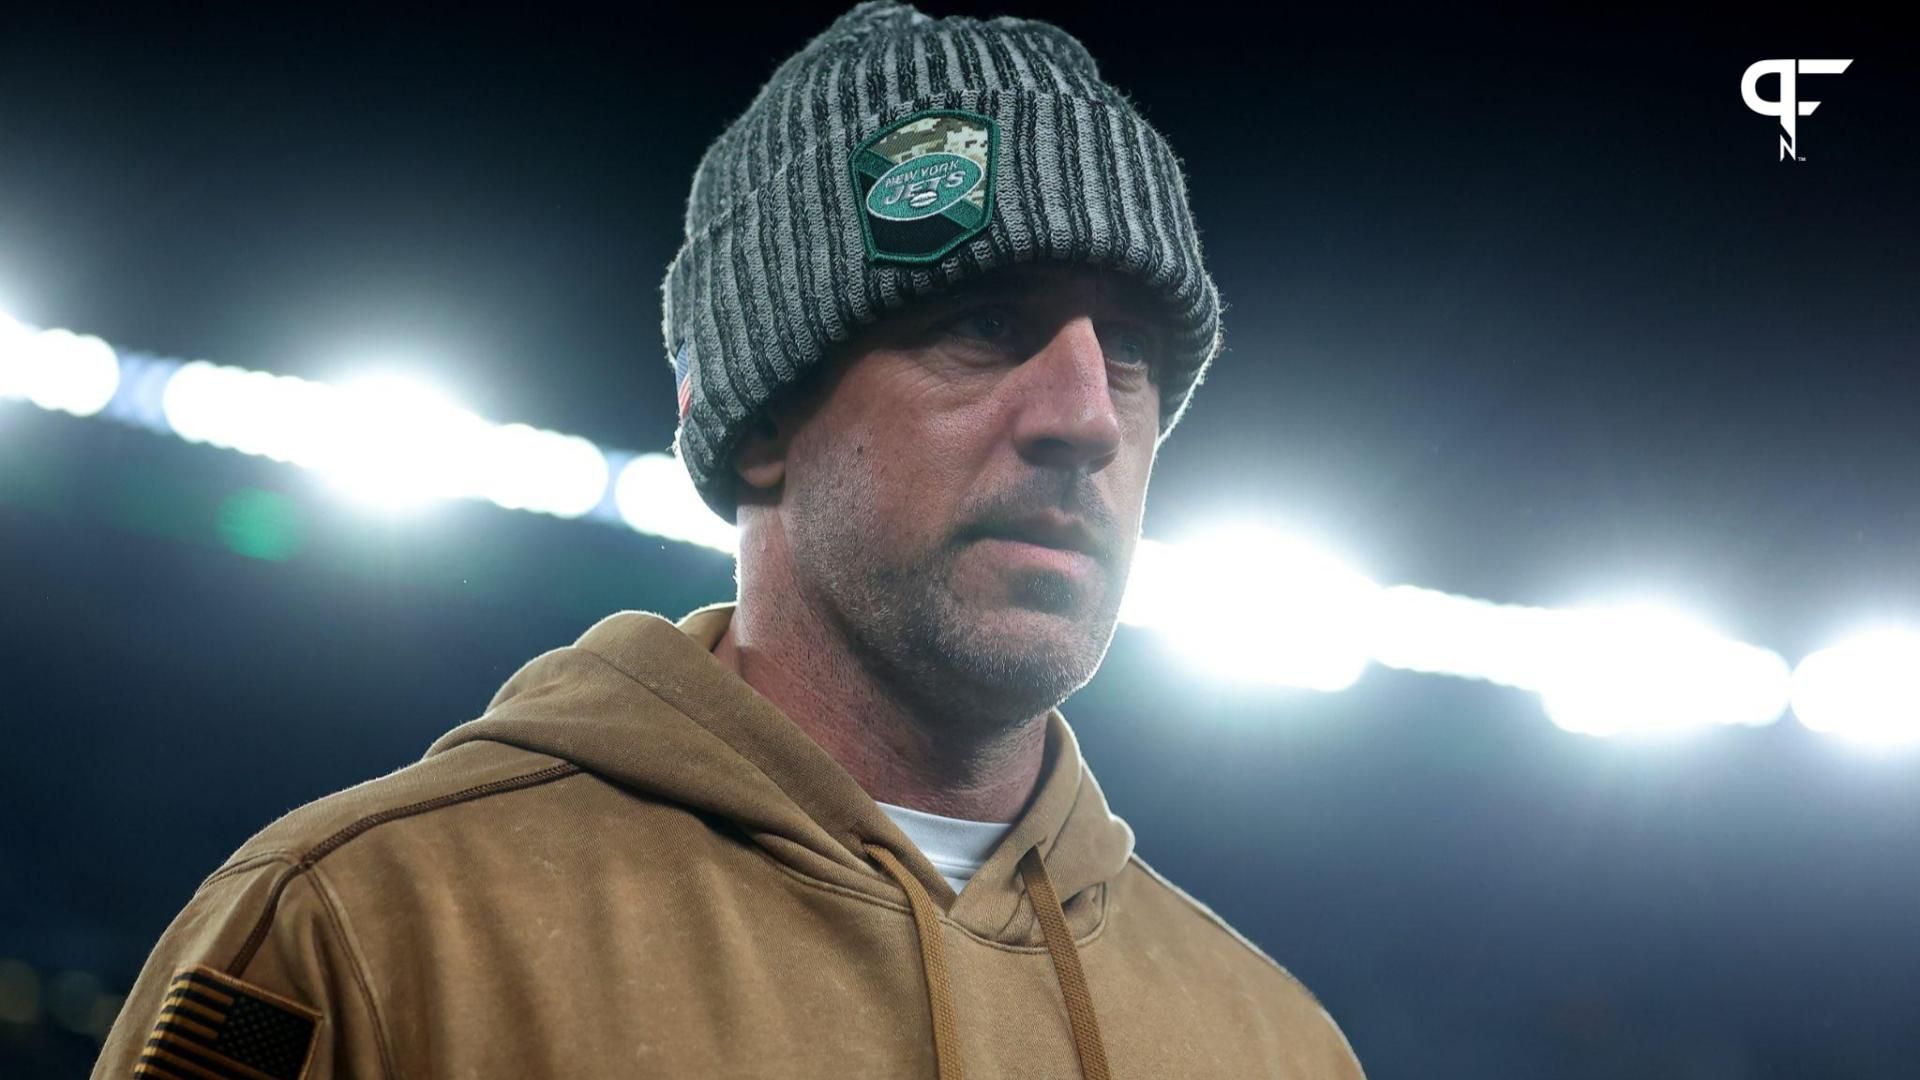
926 184
923 186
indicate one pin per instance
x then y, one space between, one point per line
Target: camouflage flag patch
214 1025
925 184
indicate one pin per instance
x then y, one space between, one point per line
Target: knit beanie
893 156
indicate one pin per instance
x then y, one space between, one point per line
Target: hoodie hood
642 703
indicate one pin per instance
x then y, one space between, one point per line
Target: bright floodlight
385 439
1243 601
655 495
525 468
1866 688
398 442
1648 669
1438 633
577 476
57 369
275 416
1252 602
188 401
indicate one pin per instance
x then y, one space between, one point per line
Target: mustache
1040 497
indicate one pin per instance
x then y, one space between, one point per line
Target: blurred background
1557 488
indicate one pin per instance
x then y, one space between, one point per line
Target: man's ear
761 458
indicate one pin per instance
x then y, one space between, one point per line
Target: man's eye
991 325
1134 348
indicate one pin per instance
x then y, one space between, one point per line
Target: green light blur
261 525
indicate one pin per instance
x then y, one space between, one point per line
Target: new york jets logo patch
926 184
923 186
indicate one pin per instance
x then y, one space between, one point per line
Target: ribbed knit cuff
757 298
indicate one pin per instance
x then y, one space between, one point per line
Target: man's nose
1067 417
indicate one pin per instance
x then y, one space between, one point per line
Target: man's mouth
1050 529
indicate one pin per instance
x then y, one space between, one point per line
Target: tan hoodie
635 866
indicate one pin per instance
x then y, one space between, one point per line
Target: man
939 300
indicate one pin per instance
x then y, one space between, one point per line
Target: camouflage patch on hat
925 184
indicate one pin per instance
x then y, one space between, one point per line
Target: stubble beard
978 672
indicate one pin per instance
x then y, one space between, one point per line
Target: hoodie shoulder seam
342 836
357 966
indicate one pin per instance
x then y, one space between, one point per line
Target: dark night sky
1522 307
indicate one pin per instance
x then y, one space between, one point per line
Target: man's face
963 490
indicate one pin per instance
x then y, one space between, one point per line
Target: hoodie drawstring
1060 947
1066 966
933 957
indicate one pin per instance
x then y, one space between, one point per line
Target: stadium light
386 439
519 467
56 369
1438 633
1866 688
1651 670
1244 600
1250 601
396 443
1605 671
655 495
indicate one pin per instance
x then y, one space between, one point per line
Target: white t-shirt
955 846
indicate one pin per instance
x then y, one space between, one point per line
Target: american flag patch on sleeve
214 1025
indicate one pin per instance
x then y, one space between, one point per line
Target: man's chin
1030 584
1022 637
1052 652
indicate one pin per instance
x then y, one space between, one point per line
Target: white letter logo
1789 108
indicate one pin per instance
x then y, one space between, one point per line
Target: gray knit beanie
893 156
